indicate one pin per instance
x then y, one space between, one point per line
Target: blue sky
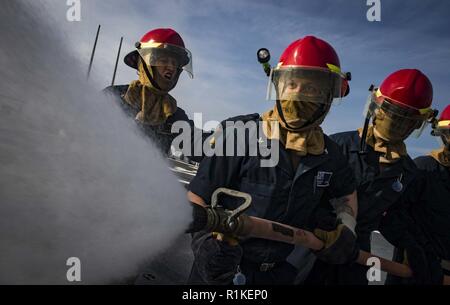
224 36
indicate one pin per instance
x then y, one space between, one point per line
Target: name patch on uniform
323 179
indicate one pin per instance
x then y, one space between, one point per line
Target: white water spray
77 179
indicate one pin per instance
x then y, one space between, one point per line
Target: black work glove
425 265
340 245
216 260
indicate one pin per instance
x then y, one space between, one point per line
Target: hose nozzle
215 218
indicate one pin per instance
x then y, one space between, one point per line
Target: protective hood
442 155
294 130
391 151
154 105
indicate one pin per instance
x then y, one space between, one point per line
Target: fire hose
215 218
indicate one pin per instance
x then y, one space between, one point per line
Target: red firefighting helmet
155 46
441 127
404 102
315 59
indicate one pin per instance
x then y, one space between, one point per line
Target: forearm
194 198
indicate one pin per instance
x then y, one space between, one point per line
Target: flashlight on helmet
263 56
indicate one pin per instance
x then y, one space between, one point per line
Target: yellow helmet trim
378 93
334 68
425 110
421 111
443 124
150 44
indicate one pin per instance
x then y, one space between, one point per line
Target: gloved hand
216 260
425 265
339 245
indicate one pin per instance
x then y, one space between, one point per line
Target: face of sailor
167 69
295 86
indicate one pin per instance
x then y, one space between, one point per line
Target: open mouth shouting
168 75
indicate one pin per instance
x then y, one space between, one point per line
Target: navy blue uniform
280 193
377 190
432 210
423 222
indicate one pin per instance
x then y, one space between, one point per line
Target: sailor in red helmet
310 169
422 224
377 153
441 128
159 59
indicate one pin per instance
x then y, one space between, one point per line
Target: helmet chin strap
362 143
149 76
446 143
280 112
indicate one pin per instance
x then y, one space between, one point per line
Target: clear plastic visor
304 84
442 132
167 55
394 121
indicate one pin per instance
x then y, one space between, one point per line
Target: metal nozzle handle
234 213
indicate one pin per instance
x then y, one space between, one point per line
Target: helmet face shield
443 133
303 85
394 122
166 55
